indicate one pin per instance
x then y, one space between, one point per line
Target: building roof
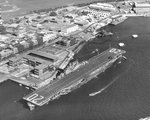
15 58
45 56
49 53
69 26
51 50
42 66
32 58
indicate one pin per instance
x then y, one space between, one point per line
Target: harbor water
127 98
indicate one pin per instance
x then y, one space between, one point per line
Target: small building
14 61
25 44
142 10
14 25
42 70
49 37
15 50
81 20
95 6
30 42
71 16
102 6
35 42
3 46
69 29
39 38
3 38
5 53
142 5
116 16
20 47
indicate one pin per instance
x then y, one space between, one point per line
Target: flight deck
89 70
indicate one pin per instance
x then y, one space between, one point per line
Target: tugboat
121 44
134 36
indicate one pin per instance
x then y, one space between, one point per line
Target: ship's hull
82 81
82 75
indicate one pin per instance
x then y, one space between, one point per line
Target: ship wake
104 88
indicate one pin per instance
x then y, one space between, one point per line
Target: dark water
128 98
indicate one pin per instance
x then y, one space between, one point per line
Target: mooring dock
93 66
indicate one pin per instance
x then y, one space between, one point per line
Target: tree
53 13
2 30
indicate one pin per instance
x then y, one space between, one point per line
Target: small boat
121 44
101 90
134 36
95 93
119 62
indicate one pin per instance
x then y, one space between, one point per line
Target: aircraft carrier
75 79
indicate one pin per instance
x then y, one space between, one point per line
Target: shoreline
38 11
17 13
